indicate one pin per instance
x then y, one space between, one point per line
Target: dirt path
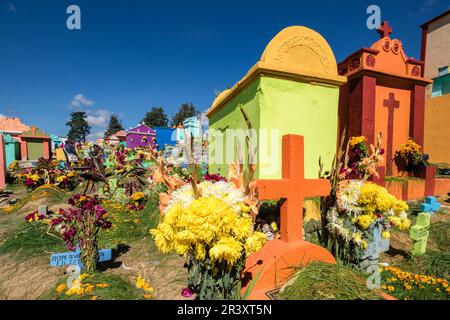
164 272
26 280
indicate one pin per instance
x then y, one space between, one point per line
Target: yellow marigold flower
391 288
357 140
61 288
83 276
147 296
94 298
138 195
102 285
386 234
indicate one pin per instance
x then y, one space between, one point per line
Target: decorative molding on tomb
384 58
35 133
296 53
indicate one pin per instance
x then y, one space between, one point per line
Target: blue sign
73 258
431 205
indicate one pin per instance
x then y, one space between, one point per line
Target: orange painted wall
401 117
437 129
442 186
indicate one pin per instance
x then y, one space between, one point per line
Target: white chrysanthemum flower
336 225
347 197
225 191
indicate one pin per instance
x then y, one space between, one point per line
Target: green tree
156 117
114 126
186 110
79 129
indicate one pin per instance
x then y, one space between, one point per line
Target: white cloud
8 6
95 135
98 117
80 101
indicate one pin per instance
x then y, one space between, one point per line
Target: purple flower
215 177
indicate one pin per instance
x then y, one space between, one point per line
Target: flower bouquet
80 226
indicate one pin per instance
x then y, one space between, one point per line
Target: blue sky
131 55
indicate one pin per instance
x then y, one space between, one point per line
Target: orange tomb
385 93
271 266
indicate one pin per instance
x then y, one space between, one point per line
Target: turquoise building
441 84
12 149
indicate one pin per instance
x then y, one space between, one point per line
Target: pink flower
186 293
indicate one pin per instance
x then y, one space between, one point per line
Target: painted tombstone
2 164
34 144
112 183
293 89
192 126
430 206
419 234
164 137
269 268
43 210
12 149
385 93
374 248
141 136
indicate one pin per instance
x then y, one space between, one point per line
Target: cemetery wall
437 129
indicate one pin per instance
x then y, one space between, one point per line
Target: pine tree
79 129
114 126
186 110
156 117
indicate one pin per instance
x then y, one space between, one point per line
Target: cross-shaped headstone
419 234
384 30
272 265
73 258
112 183
293 187
43 210
119 195
431 205
374 248
391 104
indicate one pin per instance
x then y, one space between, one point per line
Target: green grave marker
419 234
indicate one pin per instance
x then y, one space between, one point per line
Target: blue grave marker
73 258
431 205
378 245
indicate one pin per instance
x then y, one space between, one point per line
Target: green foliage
114 126
440 233
156 117
214 282
323 281
186 110
414 285
117 289
31 239
79 129
129 226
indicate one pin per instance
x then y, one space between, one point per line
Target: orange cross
293 187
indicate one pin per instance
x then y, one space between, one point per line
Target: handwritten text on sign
73 258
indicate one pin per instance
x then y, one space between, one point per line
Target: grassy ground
104 287
322 281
